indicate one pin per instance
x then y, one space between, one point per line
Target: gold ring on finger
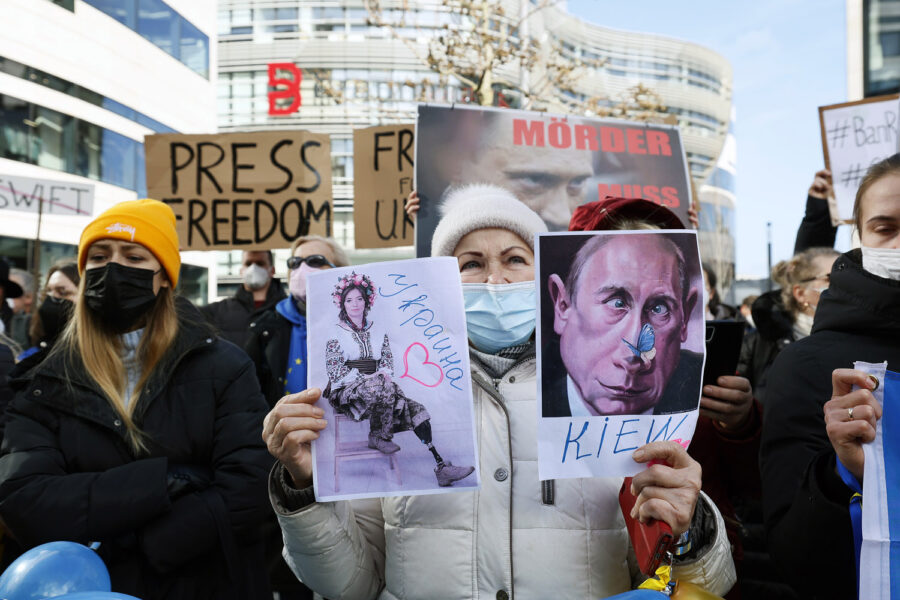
850 413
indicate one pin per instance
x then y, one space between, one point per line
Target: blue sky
788 57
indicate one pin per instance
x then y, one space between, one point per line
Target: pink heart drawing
423 363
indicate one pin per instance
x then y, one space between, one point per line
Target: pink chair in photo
356 449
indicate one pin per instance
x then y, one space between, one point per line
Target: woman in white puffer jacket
516 535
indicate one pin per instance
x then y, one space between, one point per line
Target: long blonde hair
88 341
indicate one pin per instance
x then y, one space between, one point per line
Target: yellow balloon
689 591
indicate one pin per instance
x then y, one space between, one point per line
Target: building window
59 84
41 136
881 47
67 4
160 24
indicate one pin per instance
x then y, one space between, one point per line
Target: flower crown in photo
353 278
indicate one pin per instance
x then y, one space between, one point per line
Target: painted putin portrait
616 321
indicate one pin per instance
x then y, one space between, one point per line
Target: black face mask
55 314
119 295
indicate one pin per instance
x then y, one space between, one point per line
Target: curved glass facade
161 25
37 135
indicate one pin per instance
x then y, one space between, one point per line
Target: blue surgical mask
499 316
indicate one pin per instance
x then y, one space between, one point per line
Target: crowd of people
179 437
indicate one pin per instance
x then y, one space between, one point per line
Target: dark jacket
268 346
815 229
67 473
804 501
774 331
7 364
232 316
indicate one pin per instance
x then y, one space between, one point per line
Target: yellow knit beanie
147 222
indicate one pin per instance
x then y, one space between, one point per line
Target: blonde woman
140 430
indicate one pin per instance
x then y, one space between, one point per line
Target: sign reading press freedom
258 190
552 163
382 179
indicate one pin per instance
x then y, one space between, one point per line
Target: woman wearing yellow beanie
140 430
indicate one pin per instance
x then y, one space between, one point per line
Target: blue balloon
96 596
639 595
53 570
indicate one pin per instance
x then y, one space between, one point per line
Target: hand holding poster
616 365
382 179
551 163
392 361
856 135
257 190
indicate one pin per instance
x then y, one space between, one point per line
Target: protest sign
56 197
390 352
879 560
551 163
856 135
258 190
382 179
617 367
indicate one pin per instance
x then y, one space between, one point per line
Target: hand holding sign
667 493
289 428
850 417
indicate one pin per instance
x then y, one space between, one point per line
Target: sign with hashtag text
856 135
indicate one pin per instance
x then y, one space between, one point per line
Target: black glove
184 479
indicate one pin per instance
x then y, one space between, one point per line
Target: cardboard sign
552 163
617 367
240 191
856 135
25 194
388 347
382 179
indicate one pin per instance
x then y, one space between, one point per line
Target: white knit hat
479 206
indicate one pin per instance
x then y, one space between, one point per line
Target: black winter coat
67 473
805 502
774 331
268 346
816 230
232 316
7 364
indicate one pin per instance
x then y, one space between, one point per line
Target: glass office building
77 110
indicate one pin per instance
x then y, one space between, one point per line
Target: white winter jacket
511 538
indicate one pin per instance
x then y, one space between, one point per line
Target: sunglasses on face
826 277
316 261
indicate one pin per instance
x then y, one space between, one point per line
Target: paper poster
856 135
382 179
245 191
620 347
390 352
879 570
552 163
25 194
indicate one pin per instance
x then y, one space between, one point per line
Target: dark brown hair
888 166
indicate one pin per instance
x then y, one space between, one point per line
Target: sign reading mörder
258 190
25 194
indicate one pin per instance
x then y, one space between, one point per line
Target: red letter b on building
292 91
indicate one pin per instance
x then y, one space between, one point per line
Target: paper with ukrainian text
387 344
620 347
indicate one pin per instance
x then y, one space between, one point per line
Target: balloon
96 596
52 570
639 595
689 591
